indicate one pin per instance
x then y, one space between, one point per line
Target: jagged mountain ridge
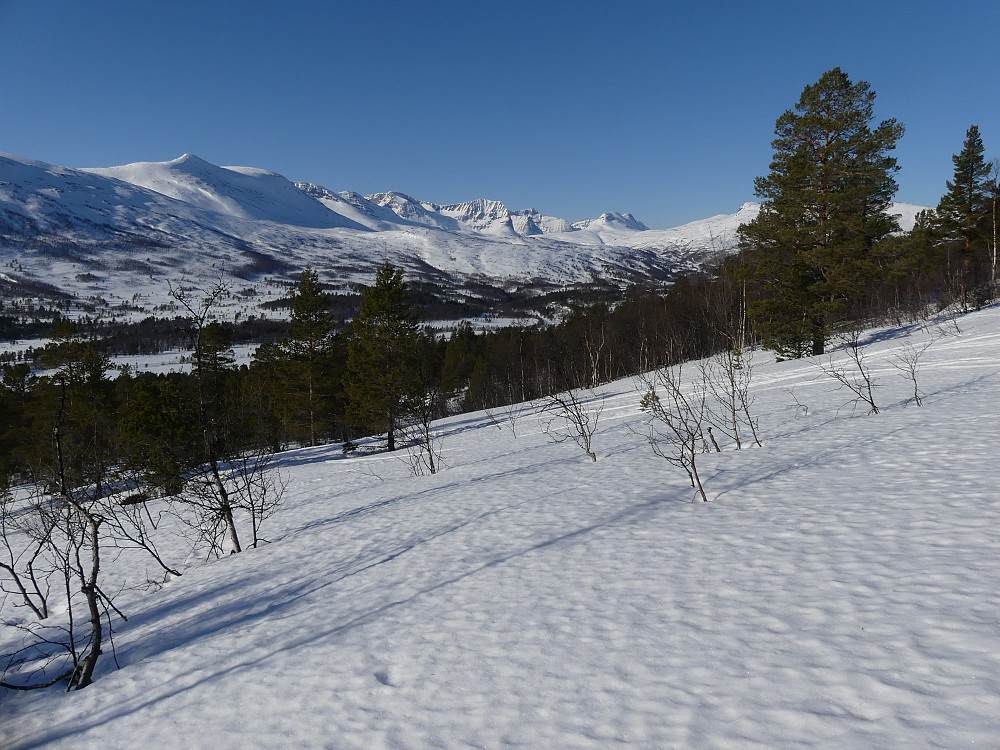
120 233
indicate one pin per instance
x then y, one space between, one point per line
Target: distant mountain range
120 233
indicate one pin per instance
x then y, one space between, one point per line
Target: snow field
841 590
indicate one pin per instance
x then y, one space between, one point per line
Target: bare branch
572 415
676 418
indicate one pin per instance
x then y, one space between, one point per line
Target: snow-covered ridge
612 219
241 192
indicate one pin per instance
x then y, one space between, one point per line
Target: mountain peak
612 220
188 163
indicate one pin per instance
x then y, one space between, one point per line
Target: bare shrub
727 376
423 444
907 361
677 418
572 415
856 377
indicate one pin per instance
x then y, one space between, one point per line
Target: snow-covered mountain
613 220
119 233
240 192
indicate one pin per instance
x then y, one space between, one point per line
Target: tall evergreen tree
213 362
825 206
967 201
309 346
963 212
16 383
381 369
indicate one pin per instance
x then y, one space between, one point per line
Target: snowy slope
841 590
242 192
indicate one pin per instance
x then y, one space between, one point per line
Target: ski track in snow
841 590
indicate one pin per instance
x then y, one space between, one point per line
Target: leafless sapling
212 360
572 415
908 361
727 376
676 419
423 443
856 377
54 540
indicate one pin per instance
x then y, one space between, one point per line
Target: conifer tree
967 201
460 356
213 361
16 381
825 202
308 345
963 211
381 371
158 435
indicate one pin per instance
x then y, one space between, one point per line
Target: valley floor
841 590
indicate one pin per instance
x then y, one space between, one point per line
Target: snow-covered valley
842 589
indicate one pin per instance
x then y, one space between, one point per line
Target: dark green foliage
964 207
963 219
825 202
307 355
381 375
508 369
16 384
460 355
74 412
159 432
213 361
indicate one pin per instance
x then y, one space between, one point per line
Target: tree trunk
312 411
85 675
225 507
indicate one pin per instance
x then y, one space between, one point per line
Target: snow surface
242 192
842 590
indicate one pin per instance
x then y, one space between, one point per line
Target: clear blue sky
664 109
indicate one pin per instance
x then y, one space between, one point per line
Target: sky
662 109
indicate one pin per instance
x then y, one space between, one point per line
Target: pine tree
16 383
308 345
967 201
158 435
381 373
962 214
460 356
825 202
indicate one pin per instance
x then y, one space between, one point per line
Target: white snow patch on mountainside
242 192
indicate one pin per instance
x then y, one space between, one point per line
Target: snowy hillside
841 590
118 234
242 192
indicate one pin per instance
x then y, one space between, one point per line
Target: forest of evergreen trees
823 257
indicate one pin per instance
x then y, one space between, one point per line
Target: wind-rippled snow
841 590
